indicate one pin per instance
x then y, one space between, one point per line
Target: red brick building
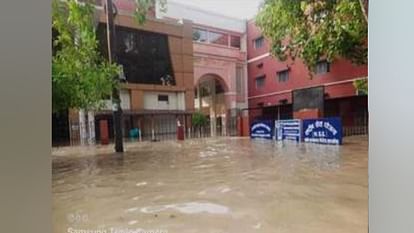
272 84
214 60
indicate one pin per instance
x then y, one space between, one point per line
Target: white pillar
152 129
213 120
212 124
82 127
91 128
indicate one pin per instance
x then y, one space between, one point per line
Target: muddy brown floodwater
213 185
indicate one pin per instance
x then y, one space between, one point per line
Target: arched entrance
210 99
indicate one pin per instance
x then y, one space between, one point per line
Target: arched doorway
210 99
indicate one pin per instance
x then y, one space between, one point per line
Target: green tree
81 77
199 120
315 29
143 6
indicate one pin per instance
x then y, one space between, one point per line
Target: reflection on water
189 208
214 185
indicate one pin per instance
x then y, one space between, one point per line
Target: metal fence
153 128
198 132
232 126
359 124
355 130
164 127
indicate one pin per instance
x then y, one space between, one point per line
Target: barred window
260 82
283 76
259 42
163 98
322 67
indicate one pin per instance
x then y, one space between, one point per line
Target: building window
215 37
235 41
144 56
218 38
163 98
322 67
283 76
200 35
260 82
258 43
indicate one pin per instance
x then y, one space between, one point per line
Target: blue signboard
288 130
324 130
262 129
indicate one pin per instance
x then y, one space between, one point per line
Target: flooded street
214 185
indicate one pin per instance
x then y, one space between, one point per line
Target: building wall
176 101
181 52
338 82
222 62
212 59
125 96
254 32
216 61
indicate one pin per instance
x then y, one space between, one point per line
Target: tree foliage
315 29
361 85
81 77
143 6
199 119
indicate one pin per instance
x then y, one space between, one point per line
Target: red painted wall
254 32
341 71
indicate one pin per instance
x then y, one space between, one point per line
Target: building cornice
258 57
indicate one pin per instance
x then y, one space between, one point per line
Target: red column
104 133
246 126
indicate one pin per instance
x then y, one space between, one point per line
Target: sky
242 9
